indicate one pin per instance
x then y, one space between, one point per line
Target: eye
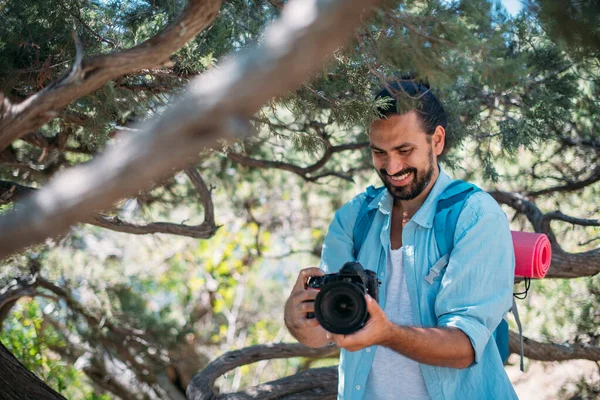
405 151
378 152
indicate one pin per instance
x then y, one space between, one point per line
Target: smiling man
429 335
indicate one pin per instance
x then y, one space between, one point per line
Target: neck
408 208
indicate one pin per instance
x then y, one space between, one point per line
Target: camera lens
340 307
344 307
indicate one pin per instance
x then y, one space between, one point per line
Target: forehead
397 128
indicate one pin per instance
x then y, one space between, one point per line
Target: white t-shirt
392 375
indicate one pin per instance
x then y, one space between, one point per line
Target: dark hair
407 95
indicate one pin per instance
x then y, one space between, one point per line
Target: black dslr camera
340 306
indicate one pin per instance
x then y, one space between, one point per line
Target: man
423 340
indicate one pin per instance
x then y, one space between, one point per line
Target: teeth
399 178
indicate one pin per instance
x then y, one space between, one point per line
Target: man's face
404 156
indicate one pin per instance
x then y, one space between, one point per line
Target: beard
420 181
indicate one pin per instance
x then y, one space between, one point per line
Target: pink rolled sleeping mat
532 254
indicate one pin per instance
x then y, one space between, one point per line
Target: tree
523 125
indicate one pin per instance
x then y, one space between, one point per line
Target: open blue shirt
472 293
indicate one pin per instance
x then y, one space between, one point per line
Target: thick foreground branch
321 383
552 351
18 383
312 384
292 48
315 382
89 74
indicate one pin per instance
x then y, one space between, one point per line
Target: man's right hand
301 301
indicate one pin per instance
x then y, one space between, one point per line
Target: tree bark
552 351
312 384
17 382
309 384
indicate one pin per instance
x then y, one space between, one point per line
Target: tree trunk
17 382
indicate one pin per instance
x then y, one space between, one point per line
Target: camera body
340 306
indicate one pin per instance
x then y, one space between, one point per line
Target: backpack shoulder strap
449 206
365 218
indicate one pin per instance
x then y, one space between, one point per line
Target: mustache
384 172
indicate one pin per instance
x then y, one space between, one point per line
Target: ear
438 140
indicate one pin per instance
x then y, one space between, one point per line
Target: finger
310 322
339 342
304 275
298 319
306 295
338 339
372 306
306 307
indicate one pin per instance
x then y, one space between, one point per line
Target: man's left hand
375 331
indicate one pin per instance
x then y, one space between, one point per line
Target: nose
394 165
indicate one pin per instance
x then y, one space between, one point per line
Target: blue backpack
449 207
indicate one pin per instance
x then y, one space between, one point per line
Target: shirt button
357 387
368 350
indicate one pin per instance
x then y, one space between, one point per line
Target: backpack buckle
437 268
432 275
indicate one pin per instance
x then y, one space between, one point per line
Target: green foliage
573 24
29 337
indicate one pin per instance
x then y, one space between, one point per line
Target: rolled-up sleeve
338 246
476 289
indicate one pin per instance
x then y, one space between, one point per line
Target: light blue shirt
472 293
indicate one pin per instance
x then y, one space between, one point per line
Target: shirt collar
426 213
383 201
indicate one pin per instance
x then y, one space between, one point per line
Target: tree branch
581 142
277 4
201 386
292 48
303 172
203 231
564 265
314 383
91 73
551 351
558 215
77 16
10 192
571 186
12 292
